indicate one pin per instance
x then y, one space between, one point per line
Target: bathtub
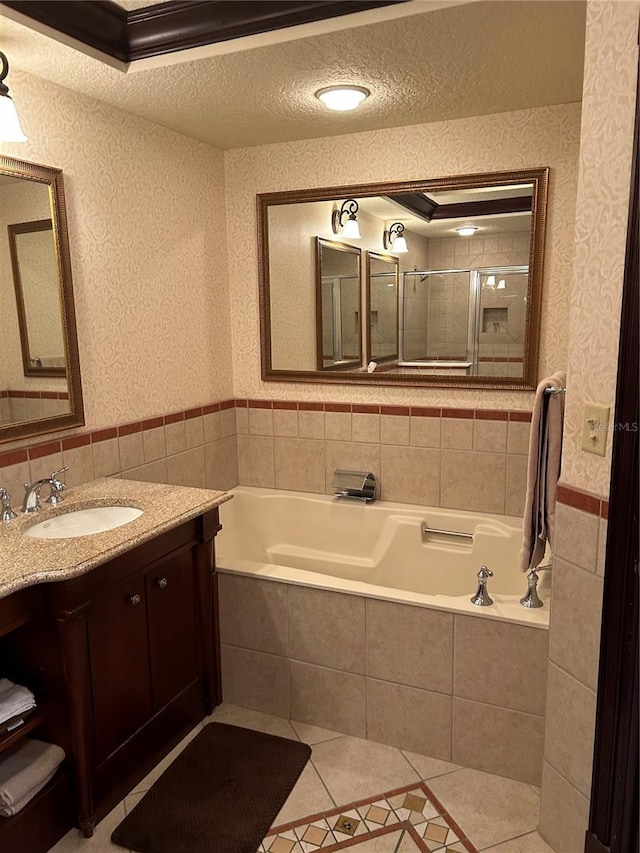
378 551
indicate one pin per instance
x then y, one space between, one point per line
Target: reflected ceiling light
342 98
349 229
394 239
466 230
10 130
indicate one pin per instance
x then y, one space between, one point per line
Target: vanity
116 633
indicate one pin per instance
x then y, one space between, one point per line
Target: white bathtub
377 551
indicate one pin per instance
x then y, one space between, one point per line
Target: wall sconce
466 230
394 239
10 130
349 229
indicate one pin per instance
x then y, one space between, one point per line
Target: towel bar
555 389
426 530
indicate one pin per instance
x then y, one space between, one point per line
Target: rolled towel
25 768
9 811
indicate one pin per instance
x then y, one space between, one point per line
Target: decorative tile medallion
413 811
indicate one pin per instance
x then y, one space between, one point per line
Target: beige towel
8 811
543 472
24 768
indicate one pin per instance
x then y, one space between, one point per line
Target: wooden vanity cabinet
140 644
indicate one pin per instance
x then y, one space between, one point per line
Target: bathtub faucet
482 597
354 486
531 597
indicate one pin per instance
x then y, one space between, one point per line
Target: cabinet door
172 627
118 646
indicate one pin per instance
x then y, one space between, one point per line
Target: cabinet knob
163 583
135 599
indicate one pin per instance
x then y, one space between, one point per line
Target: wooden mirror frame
392 261
351 250
52 178
528 382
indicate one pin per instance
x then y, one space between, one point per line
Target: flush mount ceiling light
10 130
394 239
342 97
349 229
466 230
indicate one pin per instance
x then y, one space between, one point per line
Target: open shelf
32 719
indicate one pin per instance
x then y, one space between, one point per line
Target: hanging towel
543 472
25 769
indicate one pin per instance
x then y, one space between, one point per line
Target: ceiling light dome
466 230
342 97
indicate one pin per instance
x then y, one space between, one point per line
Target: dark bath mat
221 795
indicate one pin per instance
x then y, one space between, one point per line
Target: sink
83 522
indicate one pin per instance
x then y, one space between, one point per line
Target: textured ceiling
472 59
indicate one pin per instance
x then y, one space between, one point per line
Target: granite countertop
26 561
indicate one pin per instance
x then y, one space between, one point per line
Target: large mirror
451 284
40 388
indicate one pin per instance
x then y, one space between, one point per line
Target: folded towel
14 700
24 768
8 811
543 472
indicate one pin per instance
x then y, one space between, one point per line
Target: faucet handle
484 573
7 514
54 476
56 486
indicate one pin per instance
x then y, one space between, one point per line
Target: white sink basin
83 522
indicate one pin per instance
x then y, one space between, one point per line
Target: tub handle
427 530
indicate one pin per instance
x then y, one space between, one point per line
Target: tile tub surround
408 676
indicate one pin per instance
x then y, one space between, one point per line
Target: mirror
452 284
338 300
40 388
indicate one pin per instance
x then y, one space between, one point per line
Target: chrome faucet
531 597
7 513
482 597
31 501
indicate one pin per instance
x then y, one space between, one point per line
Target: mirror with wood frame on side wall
450 282
40 386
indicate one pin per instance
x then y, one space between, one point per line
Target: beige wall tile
365 427
328 698
285 422
228 422
564 813
44 467
350 456
175 437
211 424
473 480
311 424
256 461
131 450
260 421
576 615
153 443
518 437
255 680
106 457
602 546
522 685
394 429
398 715
516 484
496 740
253 614
241 421
187 469
13 478
410 475
425 432
151 472
457 433
570 727
79 460
410 645
221 464
299 464
337 426
327 628
490 436
576 537
194 432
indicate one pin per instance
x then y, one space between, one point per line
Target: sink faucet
31 501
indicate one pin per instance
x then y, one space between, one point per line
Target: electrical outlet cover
595 428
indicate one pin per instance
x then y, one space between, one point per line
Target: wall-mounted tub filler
482 597
354 486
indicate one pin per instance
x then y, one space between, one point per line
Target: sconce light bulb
400 246
466 230
351 229
10 130
342 98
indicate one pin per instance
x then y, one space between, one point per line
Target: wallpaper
148 252
547 136
601 226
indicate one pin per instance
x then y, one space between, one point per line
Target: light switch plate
595 428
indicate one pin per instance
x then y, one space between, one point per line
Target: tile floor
369 798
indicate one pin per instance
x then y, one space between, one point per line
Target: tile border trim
584 501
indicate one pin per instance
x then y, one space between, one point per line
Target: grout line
324 784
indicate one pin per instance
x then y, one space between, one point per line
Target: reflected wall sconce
10 130
344 221
394 239
466 230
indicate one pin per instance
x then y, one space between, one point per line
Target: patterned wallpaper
148 252
523 139
603 196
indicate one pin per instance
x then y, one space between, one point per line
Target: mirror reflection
451 289
338 298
